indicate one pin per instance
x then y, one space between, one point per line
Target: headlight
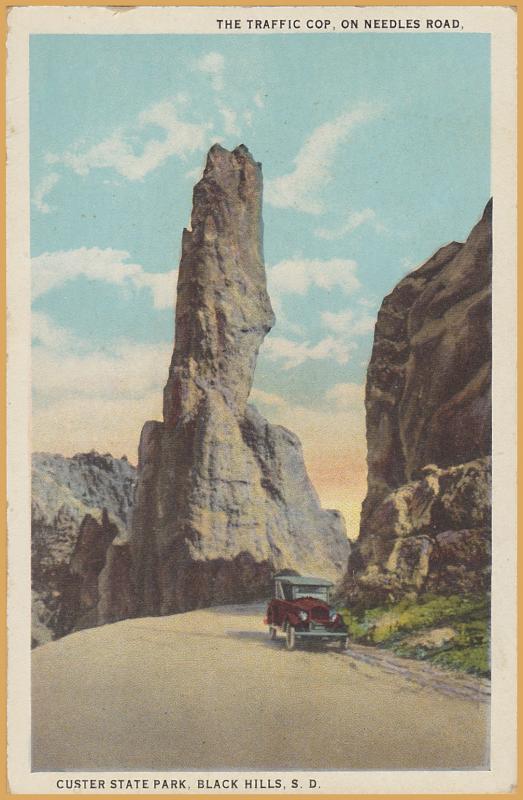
303 616
333 614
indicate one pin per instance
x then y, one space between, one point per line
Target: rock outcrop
425 522
223 498
80 511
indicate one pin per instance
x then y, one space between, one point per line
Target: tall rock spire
223 497
223 310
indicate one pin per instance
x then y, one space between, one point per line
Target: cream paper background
501 24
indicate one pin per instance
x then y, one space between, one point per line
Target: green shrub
475 660
390 626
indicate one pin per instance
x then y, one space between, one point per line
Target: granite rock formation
425 522
81 508
223 498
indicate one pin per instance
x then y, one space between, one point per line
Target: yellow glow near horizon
345 498
333 443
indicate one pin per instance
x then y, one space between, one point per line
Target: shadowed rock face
80 513
428 404
223 498
98 588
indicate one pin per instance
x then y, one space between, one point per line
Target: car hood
309 603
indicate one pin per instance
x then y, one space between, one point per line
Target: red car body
302 611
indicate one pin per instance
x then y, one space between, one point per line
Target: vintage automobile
301 609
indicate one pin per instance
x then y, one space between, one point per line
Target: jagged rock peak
223 311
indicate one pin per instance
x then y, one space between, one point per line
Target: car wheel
272 632
290 641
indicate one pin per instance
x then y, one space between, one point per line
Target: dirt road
208 690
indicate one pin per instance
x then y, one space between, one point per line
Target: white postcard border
500 23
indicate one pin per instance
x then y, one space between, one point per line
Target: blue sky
375 152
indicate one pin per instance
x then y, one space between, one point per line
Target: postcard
261 400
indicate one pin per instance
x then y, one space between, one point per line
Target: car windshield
318 592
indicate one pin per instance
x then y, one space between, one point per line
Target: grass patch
395 625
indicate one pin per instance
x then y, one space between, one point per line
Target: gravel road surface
208 690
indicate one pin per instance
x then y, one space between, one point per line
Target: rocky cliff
80 558
425 521
223 497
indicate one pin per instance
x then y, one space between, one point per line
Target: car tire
273 633
290 640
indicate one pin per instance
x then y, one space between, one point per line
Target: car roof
301 580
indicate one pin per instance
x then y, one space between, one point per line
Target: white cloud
259 99
267 398
213 64
323 422
93 399
107 265
364 324
339 322
194 174
368 302
41 191
292 354
297 276
344 322
314 162
125 369
162 286
324 425
118 151
346 395
45 331
282 319
353 221
230 121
